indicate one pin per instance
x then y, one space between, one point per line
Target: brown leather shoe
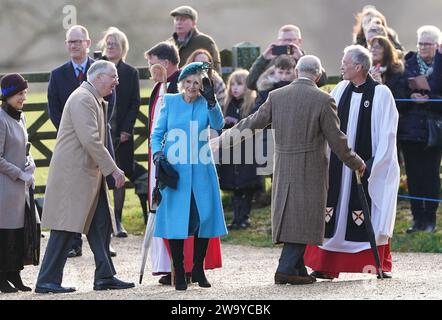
284 278
320 275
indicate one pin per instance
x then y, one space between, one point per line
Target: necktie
80 74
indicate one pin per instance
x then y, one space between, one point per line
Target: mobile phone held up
98 55
278 50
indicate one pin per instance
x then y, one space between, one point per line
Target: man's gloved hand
208 92
157 156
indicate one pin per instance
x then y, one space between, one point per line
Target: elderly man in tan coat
304 119
76 193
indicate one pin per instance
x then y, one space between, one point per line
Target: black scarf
12 112
362 148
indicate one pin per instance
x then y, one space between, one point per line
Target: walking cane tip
141 278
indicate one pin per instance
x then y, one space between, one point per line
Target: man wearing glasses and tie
63 81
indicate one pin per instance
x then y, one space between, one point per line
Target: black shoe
6 287
52 288
233 226
14 278
244 225
200 277
180 281
121 234
247 223
417 226
112 251
320 275
112 283
386 275
75 252
429 225
166 280
285 278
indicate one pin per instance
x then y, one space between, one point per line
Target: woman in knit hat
16 175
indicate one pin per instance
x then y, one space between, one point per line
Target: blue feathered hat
193 68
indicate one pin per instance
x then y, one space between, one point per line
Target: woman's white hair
359 55
431 32
98 67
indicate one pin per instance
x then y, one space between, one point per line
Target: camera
279 50
98 55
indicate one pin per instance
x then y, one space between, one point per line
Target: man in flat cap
188 38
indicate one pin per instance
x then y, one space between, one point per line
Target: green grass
259 234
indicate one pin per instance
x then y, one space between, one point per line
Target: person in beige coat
304 119
76 198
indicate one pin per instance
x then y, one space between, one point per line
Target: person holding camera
194 208
288 43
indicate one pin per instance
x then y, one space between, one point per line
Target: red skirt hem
332 263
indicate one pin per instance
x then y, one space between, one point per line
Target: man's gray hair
359 55
309 65
431 32
100 66
81 28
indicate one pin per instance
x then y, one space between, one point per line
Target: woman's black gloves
208 92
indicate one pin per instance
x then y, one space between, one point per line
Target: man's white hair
309 65
101 66
359 55
431 32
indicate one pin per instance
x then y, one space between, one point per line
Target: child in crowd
240 178
279 75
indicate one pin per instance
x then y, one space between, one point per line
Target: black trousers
422 167
60 242
12 244
292 259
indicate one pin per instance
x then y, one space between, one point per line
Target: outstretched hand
208 92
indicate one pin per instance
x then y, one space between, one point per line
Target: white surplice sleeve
383 182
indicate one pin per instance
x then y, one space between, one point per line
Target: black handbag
434 124
32 232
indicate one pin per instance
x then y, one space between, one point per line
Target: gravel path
247 274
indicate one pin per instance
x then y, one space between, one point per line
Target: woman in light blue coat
181 135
